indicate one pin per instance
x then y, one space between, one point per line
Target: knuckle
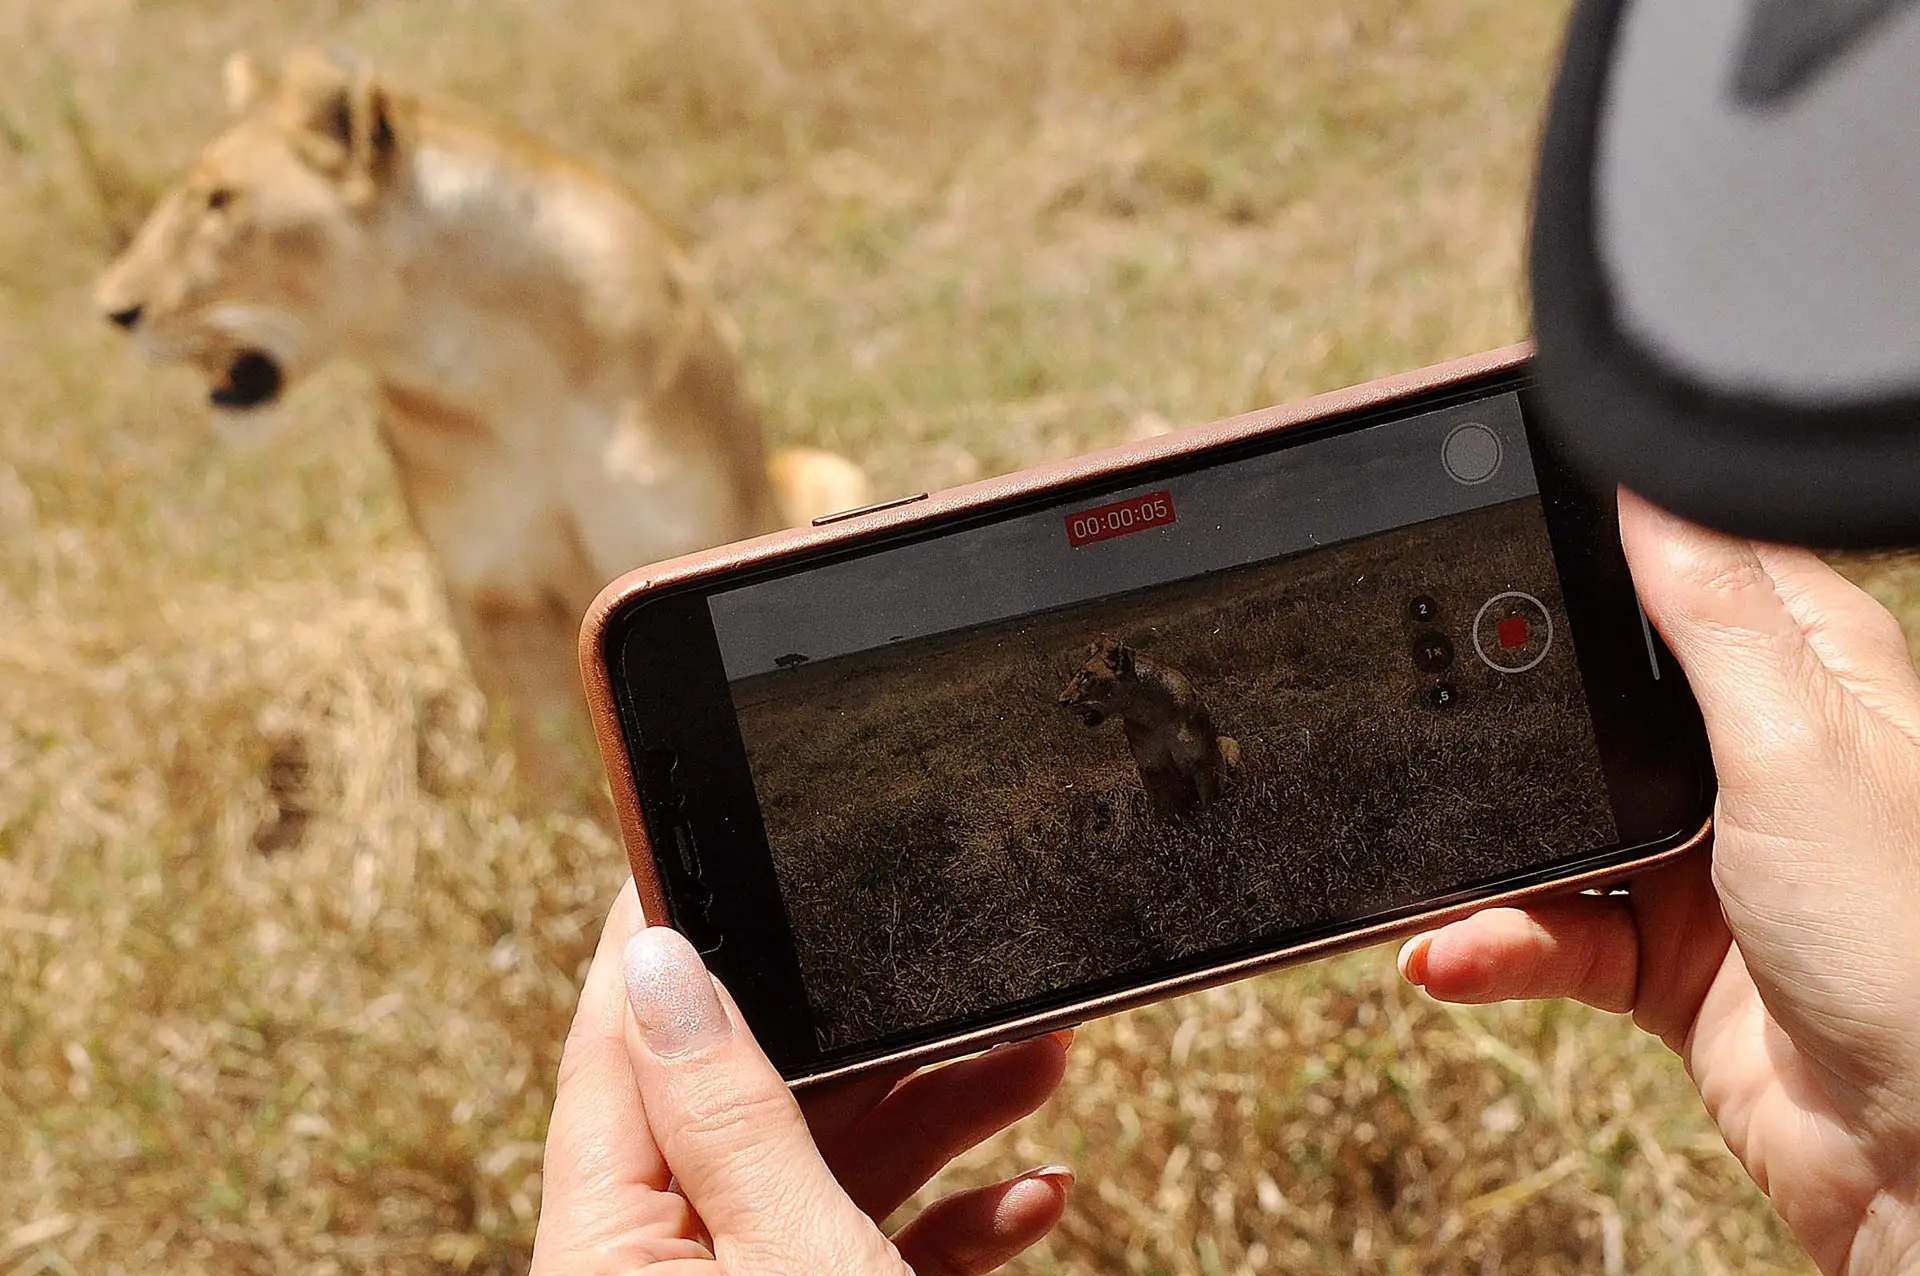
1721 575
724 1109
815 1250
577 1055
1607 976
1881 632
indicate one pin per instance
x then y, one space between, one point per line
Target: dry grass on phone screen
286 981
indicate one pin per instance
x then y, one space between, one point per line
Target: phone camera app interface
1298 689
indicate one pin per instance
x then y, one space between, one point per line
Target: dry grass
286 982
964 782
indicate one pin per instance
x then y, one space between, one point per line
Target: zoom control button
1432 652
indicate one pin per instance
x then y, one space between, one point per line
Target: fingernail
1413 960
1042 1190
1060 1174
671 993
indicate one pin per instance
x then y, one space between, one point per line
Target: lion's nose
126 318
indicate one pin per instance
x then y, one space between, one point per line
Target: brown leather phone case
909 511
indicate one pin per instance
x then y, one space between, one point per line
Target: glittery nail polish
672 995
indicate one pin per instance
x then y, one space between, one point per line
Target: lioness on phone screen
1140 730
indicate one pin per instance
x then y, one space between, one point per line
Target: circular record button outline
1481 615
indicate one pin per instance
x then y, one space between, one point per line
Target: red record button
1104 522
1512 632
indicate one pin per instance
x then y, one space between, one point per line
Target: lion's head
1104 684
257 266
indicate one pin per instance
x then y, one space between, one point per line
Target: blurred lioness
561 400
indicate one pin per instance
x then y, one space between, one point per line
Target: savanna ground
948 839
286 981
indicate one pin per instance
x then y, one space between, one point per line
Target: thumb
1808 698
729 1128
1765 694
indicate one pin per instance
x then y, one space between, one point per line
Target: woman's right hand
1785 968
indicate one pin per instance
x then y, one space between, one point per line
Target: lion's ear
346 112
245 82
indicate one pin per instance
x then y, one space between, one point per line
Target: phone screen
1012 761
1181 718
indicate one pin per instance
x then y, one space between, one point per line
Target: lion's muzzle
253 378
1087 713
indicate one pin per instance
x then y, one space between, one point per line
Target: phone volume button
858 510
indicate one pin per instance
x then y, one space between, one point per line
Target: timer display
1104 522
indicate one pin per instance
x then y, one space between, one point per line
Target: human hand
677 1150
1785 968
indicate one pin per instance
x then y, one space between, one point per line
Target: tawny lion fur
1183 762
562 401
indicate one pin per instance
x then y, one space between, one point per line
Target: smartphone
971 766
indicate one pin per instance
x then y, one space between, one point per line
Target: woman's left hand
676 1148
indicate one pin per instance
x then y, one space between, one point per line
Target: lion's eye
218 198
